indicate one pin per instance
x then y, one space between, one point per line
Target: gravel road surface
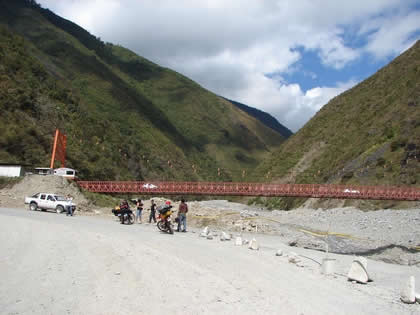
53 264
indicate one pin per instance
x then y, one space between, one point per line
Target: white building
65 172
12 170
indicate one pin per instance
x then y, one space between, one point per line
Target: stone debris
279 252
408 293
225 236
253 244
358 271
205 232
294 258
247 213
210 236
238 241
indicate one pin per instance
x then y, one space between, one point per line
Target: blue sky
288 58
309 72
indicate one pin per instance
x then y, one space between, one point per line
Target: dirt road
53 264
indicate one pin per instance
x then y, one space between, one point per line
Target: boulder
238 241
279 252
408 293
358 272
205 232
253 244
225 236
363 261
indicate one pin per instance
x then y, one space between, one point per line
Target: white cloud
392 34
228 46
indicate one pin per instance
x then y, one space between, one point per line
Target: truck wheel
33 206
59 209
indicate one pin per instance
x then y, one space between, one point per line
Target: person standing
152 212
139 206
182 216
69 206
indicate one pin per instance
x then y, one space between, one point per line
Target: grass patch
101 200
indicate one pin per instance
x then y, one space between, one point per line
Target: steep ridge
265 118
125 117
368 135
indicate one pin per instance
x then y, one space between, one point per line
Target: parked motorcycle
164 219
124 213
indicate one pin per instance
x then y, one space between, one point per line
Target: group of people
182 213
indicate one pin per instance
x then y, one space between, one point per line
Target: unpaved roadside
53 264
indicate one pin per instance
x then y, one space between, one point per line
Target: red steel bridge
254 189
239 188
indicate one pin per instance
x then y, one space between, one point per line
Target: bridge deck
254 189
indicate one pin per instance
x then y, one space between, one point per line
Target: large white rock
279 252
408 293
253 244
364 262
225 236
205 232
358 272
238 241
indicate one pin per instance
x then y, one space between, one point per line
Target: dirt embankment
31 184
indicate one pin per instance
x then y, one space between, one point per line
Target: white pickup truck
46 201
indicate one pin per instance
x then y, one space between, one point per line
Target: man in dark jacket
152 212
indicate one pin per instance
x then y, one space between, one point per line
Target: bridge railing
254 189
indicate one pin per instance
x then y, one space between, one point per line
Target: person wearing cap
182 216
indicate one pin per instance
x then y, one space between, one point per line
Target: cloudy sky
288 58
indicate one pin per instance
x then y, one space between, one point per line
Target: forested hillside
125 117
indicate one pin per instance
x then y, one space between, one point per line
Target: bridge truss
254 189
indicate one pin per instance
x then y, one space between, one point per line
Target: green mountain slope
125 117
368 135
265 118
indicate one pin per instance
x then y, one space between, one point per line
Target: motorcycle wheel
170 228
161 226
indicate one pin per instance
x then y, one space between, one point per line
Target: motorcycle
124 214
164 219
